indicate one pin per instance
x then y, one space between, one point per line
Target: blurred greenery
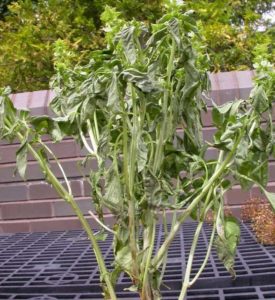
233 30
29 30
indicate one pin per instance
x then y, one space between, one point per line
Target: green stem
92 136
206 257
96 126
100 223
129 162
194 246
164 261
190 261
187 212
59 165
69 198
132 172
146 288
85 143
163 129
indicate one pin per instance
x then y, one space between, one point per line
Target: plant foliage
136 108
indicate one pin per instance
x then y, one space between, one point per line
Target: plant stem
96 125
129 177
69 198
92 136
87 146
164 262
146 287
185 214
206 257
59 165
193 247
100 223
190 261
163 129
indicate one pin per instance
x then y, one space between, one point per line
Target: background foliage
30 28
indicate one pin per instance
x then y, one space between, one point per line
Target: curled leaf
227 241
21 159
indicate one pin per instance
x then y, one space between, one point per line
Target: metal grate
244 293
61 265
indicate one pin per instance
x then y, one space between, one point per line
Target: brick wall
34 206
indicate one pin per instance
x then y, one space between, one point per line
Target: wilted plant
136 109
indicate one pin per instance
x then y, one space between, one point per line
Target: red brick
8 153
26 210
64 149
208 133
87 188
207 118
65 223
15 226
244 79
271 171
21 100
33 172
211 153
55 224
42 190
38 100
62 208
13 192
237 196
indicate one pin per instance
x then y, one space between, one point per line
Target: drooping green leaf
227 241
21 159
113 93
103 143
101 236
142 152
47 125
113 197
124 258
173 27
217 117
141 80
225 108
127 36
242 151
232 232
115 274
132 288
260 100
